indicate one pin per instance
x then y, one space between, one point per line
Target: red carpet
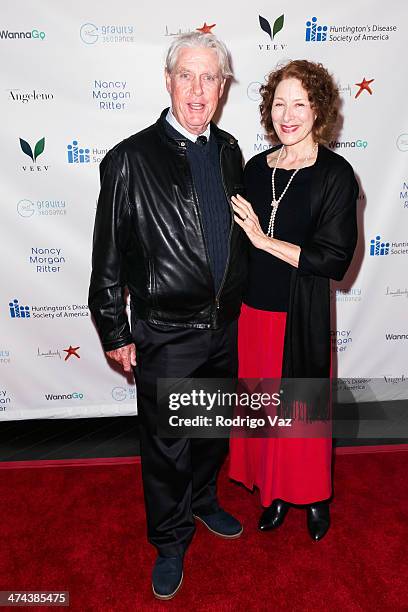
82 529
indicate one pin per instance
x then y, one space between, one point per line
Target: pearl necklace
275 202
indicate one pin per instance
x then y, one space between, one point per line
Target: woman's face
292 115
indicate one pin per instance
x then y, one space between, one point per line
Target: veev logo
38 149
314 32
266 26
272 32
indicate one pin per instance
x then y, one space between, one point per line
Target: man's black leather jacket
148 238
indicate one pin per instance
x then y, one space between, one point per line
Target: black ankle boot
318 520
273 517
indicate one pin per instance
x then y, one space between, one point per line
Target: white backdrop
79 77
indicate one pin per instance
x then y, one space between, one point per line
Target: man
164 229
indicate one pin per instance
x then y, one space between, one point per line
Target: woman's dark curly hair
322 92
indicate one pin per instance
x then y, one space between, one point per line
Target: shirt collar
193 137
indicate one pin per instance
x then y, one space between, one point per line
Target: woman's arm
248 220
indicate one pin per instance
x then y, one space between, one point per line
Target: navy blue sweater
215 212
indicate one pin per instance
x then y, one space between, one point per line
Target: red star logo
206 29
72 350
364 85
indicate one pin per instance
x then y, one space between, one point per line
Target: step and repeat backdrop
79 77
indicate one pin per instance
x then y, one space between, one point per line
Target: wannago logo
17 311
76 155
31 35
91 33
398 337
314 32
348 144
379 248
50 397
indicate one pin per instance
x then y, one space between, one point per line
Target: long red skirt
296 470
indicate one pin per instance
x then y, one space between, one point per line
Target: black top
269 277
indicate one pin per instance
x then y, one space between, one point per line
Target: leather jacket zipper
217 297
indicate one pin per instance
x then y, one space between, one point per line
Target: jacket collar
222 138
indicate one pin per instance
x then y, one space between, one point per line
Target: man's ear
222 87
167 76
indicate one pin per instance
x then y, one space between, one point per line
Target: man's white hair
205 41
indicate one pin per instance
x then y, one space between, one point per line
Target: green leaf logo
266 27
278 25
39 148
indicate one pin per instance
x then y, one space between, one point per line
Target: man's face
195 85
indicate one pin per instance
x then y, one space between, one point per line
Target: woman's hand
248 220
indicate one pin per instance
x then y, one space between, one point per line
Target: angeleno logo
18 95
272 32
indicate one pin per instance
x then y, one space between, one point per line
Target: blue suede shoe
167 577
221 523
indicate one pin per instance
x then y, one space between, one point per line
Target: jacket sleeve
106 292
330 248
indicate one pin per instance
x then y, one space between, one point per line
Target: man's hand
125 355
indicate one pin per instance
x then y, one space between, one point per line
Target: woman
300 218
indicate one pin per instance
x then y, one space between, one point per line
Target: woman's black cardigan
326 255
